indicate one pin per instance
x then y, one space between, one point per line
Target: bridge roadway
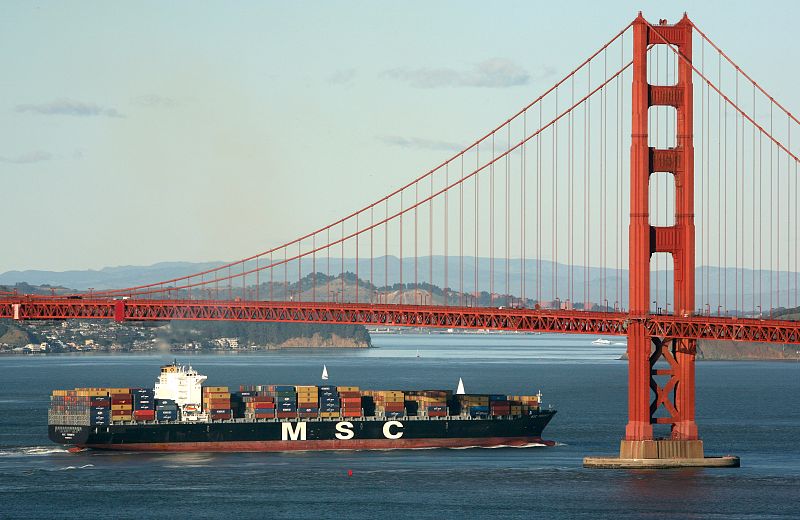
525 320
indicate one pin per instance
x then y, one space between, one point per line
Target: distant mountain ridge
386 270
107 277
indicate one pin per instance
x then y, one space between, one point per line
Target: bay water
749 409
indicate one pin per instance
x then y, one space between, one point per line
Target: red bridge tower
672 401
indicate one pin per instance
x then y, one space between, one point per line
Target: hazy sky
133 133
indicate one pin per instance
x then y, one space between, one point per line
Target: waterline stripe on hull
322 445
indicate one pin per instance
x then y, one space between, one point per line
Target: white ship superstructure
181 384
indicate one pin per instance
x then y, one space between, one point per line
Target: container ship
181 413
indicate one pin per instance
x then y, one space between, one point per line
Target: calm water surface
748 409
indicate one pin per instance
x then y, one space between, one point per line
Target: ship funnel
460 389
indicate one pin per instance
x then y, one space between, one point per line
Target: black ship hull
309 435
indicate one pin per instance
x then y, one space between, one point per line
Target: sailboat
418 353
324 373
460 389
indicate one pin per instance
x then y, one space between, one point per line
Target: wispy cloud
491 73
342 77
69 107
28 158
155 101
419 143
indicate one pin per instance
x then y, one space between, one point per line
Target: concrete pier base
661 454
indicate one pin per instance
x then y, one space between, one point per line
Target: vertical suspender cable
402 287
539 210
603 175
491 225
416 251
446 230
357 237
720 187
587 142
522 196
570 189
508 208
554 169
477 222
523 215
461 235
386 252
430 240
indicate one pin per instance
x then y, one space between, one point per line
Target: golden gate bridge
658 132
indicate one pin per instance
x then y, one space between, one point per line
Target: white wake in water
529 445
32 451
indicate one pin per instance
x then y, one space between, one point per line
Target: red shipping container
262 406
437 414
351 413
115 413
122 401
259 399
264 416
144 415
217 403
351 400
286 415
349 394
394 407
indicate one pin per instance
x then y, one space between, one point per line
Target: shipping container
214 389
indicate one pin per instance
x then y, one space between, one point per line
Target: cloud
28 158
69 107
155 101
342 77
419 143
491 73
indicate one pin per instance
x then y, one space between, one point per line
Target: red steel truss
526 320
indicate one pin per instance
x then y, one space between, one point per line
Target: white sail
324 373
460 389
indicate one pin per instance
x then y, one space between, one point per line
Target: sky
135 133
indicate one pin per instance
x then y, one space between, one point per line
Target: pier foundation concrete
661 454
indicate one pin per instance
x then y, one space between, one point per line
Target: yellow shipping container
300 389
91 393
60 393
217 395
122 407
118 390
347 389
215 389
329 414
119 418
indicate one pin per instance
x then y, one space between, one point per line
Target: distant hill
757 285
108 277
